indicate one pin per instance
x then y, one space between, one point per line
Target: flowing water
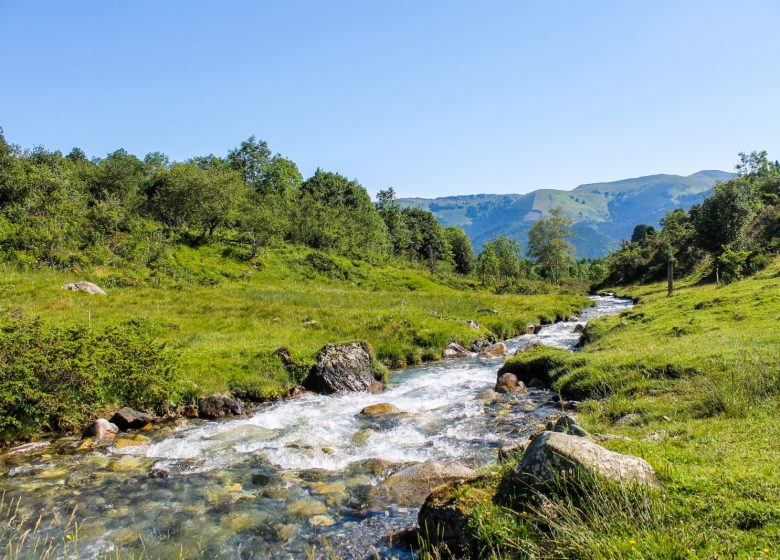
309 476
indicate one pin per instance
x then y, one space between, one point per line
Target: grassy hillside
225 318
700 375
604 213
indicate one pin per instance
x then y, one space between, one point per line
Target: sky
432 98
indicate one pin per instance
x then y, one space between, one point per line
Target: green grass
702 371
225 317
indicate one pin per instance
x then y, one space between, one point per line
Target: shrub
55 378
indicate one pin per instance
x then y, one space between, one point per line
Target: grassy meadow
224 318
699 375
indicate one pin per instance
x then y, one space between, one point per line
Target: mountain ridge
604 213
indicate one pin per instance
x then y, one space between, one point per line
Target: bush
56 378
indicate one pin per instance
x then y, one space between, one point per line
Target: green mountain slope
604 213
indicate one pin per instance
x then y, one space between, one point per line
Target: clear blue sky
432 98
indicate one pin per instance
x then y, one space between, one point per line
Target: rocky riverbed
317 475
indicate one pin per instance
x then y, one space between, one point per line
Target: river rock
497 350
100 429
84 286
26 448
579 328
554 457
219 405
508 383
129 419
380 409
306 508
455 350
409 486
341 367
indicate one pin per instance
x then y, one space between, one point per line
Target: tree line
733 232
66 211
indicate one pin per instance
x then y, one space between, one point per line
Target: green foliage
55 377
737 228
462 251
547 244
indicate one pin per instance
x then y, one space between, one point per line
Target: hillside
689 383
604 213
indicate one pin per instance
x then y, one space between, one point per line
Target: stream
308 477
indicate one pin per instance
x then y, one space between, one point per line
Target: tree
547 244
462 251
252 159
500 261
427 240
723 217
390 212
336 213
641 231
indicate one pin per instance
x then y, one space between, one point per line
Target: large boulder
497 350
455 350
342 367
219 405
86 287
411 485
555 458
128 419
101 429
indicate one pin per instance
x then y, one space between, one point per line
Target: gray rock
509 450
567 425
497 350
128 419
219 405
101 429
342 367
84 286
553 458
630 419
473 324
579 328
487 310
455 350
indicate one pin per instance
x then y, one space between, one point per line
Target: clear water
294 478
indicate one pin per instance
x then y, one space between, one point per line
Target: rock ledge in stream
343 367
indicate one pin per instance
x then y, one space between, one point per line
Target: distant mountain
604 214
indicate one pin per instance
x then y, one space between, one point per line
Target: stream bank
307 475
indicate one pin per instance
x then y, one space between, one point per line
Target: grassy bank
224 318
699 373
